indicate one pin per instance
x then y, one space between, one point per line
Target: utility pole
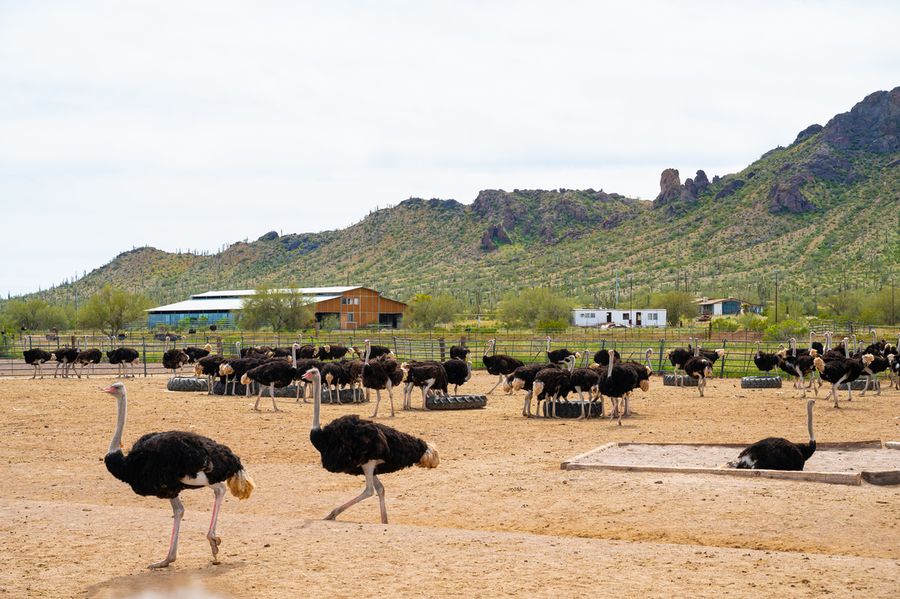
631 298
776 296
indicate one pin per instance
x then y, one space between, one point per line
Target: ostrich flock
163 464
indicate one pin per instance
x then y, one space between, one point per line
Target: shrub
785 330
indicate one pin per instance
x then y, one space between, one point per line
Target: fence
738 360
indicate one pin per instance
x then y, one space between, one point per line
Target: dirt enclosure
497 518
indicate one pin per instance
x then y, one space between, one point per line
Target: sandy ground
497 518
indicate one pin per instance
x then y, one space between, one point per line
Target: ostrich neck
809 420
317 400
122 408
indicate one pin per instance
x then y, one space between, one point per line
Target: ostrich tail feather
430 459
245 380
241 485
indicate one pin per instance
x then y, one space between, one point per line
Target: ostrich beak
109 390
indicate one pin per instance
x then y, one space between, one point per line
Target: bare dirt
497 518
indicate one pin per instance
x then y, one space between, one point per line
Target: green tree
280 309
33 315
110 310
538 308
679 305
426 311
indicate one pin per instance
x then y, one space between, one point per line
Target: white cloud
193 124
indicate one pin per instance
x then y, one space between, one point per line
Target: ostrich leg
390 391
369 470
407 396
500 380
425 390
258 397
377 402
272 394
526 408
379 489
214 540
177 514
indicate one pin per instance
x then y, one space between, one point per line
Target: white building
606 317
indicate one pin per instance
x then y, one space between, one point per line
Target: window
350 317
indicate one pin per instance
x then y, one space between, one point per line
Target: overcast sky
190 124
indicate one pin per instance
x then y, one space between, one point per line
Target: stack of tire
187 383
679 380
455 402
761 382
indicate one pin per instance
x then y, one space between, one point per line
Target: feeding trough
187 383
848 463
455 402
572 409
679 380
761 382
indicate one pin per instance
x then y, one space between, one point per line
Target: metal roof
300 290
225 303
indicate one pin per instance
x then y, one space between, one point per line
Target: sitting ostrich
499 365
208 366
36 357
351 445
165 464
775 453
426 376
380 373
88 357
458 372
559 356
698 367
122 357
459 352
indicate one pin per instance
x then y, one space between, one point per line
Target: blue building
726 306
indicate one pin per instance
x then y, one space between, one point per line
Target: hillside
823 211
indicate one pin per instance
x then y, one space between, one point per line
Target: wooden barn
354 307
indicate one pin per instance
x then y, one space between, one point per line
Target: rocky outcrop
826 163
730 188
873 125
270 236
493 237
701 181
669 187
808 132
787 197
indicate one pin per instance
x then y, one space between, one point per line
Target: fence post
724 357
662 347
396 350
442 345
144 359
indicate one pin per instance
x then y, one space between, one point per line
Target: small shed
725 306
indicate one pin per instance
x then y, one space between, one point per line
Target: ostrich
271 374
800 364
499 365
380 373
334 374
426 376
165 464
678 356
894 365
878 364
333 352
459 352
616 383
458 372
523 378
236 369
88 357
559 356
553 384
122 357
775 453
208 366
375 351
36 358
842 371
195 353
173 359
642 372
601 356
586 379
351 445
65 357
765 362
699 367
302 365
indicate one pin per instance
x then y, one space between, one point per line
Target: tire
857 385
455 402
761 382
572 409
187 383
346 396
671 380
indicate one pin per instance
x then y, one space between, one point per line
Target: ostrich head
117 390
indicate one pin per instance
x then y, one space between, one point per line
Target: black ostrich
65 357
798 363
165 464
617 382
459 352
174 359
775 453
351 445
878 365
195 353
586 379
271 374
36 357
678 356
380 373
894 366
522 378
553 384
837 372
458 372
559 356
601 357
427 376
208 366
87 357
123 357
333 352
375 351
700 368
236 369
302 365
335 375
498 365
642 372
764 361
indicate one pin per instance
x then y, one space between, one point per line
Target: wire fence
737 361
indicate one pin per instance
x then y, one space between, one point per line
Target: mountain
823 211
